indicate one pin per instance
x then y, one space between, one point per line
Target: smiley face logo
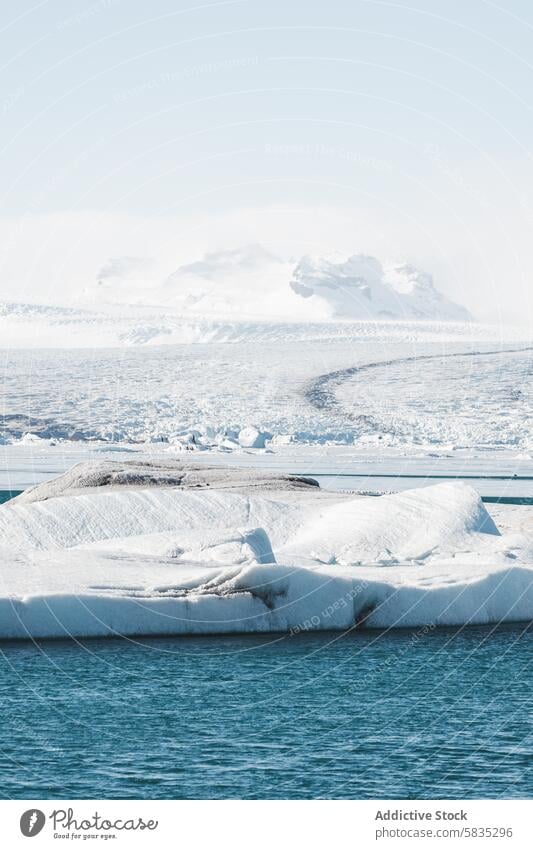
32 822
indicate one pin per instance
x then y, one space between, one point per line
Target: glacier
379 380
101 552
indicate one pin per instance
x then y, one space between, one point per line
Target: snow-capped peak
360 287
252 283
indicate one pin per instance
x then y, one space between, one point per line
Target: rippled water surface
405 714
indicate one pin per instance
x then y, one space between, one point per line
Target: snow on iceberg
147 560
408 526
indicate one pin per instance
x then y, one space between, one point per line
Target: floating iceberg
145 549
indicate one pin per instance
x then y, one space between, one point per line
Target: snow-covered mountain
248 283
256 284
251 283
238 294
359 287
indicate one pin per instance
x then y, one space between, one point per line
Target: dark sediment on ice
134 474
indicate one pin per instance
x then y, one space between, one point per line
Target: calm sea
405 714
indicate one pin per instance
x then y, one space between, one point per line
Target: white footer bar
268 824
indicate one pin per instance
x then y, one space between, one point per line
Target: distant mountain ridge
251 283
357 287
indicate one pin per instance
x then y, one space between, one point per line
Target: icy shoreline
241 556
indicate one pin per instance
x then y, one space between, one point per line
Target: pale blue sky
397 128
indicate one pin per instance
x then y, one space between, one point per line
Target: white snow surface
145 561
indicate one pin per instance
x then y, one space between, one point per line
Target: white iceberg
250 437
137 559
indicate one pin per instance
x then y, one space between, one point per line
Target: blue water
367 715
7 494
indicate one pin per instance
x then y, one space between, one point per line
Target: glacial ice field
140 548
408 387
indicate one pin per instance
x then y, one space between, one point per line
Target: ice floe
102 551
